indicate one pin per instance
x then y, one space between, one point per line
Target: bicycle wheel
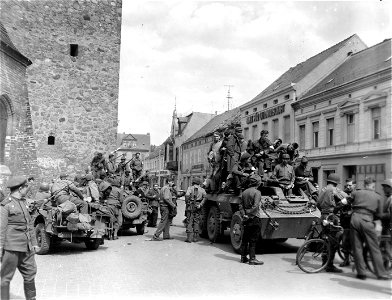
313 256
386 257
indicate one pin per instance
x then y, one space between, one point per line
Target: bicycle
385 248
314 255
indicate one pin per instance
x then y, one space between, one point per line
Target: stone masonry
73 81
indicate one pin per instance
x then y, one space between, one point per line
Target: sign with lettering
265 114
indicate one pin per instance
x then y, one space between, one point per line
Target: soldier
259 148
126 181
122 167
214 158
290 149
153 197
141 192
304 178
92 190
386 217
284 175
18 243
61 191
111 165
112 197
345 219
42 194
250 209
327 202
145 177
98 165
239 173
366 205
136 165
195 198
166 205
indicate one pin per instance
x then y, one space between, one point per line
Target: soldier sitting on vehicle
304 179
91 189
142 191
98 165
62 190
42 194
126 181
239 173
284 175
195 198
290 149
136 165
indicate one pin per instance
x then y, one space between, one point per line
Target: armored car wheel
214 226
43 239
140 228
313 256
92 244
236 232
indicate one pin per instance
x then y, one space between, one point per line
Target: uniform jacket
63 187
284 174
153 197
195 193
111 166
16 231
250 202
165 198
367 200
136 164
115 197
301 171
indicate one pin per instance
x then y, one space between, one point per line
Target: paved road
134 268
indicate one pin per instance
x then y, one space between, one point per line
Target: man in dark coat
284 175
17 240
304 178
153 199
250 209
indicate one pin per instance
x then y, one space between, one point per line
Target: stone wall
73 98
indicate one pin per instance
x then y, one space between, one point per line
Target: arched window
51 140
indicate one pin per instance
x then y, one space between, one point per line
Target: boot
115 236
244 259
195 237
29 290
345 262
188 237
254 261
252 255
332 269
5 291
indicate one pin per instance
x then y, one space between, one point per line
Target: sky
187 53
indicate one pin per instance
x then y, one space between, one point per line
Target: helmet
196 180
334 178
44 187
304 159
254 180
245 156
387 182
264 132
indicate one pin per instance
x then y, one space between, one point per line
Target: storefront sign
265 114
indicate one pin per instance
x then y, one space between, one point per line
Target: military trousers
153 217
362 229
251 234
164 224
80 204
193 221
116 212
25 263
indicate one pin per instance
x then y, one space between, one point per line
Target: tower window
73 50
51 140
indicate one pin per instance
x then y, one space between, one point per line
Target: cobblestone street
132 267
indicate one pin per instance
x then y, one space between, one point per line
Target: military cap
334 178
89 177
137 153
245 156
196 180
44 187
254 180
104 185
285 155
16 181
387 182
304 159
264 132
62 175
238 129
144 183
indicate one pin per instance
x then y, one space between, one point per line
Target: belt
363 211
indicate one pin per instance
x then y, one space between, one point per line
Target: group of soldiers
233 160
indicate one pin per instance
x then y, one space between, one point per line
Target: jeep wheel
92 244
140 228
131 207
214 226
236 232
43 239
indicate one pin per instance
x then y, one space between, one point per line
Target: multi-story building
181 129
195 149
343 124
271 110
155 163
128 144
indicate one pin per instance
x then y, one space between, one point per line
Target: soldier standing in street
17 240
249 207
366 205
195 198
327 202
166 205
153 197
136 165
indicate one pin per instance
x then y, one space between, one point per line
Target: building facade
18 154
155 163
344 123
74 79
271 110
129 144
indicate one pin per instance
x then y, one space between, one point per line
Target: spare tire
131 207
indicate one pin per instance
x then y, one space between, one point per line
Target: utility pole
228 95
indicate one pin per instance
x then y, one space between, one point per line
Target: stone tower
73 81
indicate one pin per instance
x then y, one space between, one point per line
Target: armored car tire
236 232
131 207
140 228
43 239
214 226
92 244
